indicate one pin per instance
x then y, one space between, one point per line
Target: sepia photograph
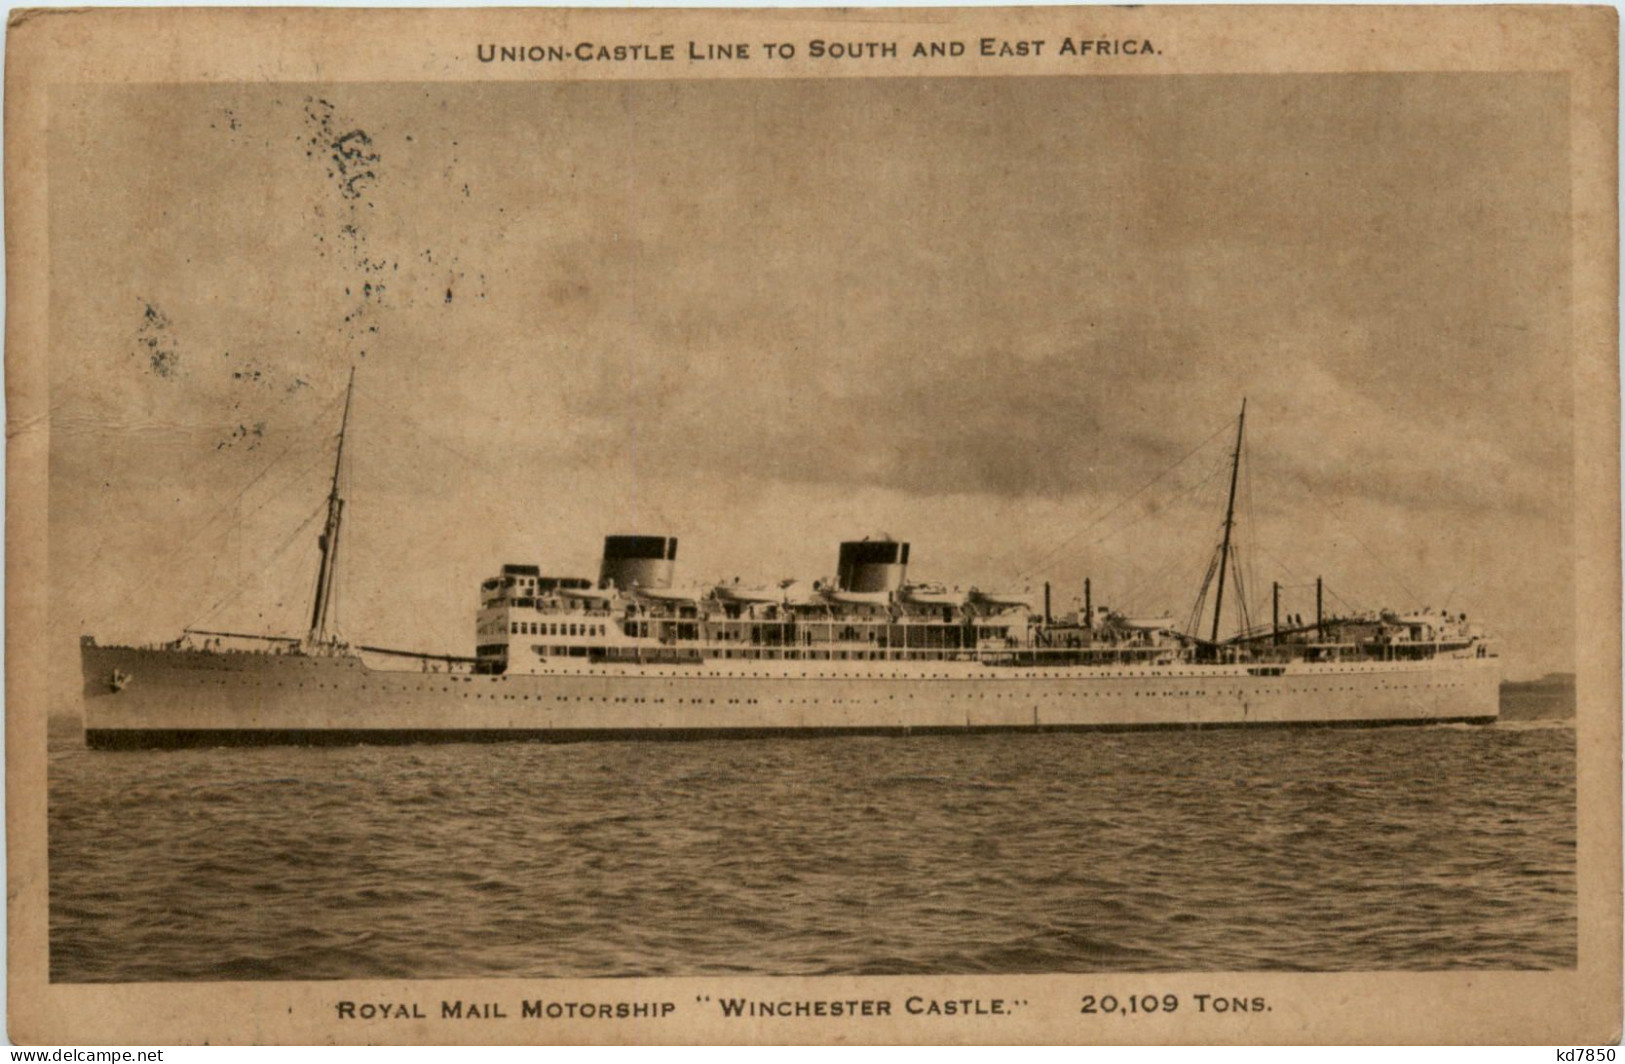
792 510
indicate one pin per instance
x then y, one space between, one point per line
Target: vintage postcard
1058 524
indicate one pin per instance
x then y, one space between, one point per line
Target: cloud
976 312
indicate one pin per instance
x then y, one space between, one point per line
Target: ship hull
138 697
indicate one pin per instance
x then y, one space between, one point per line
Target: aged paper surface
771 280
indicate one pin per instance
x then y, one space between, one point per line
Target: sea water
1424 848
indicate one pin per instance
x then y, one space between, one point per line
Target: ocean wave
1417 848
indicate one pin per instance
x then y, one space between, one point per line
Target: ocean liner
635 654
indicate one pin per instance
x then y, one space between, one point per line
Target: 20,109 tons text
1146 1004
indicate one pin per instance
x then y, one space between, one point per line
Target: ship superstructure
634 652
529 623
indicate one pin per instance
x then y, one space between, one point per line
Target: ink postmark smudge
250 372
155 342
249 436
349 151
255 379
354 163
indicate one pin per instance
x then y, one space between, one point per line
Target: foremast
327 569
1223 565
1229 523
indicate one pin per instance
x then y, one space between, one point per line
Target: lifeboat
589 594
795 593
683 595
749 596
1002 600
857 598
932 595
1144 624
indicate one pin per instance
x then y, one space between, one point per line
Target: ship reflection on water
1419 848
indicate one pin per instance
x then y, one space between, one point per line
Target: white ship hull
138 697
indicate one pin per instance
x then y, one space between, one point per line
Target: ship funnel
637 561
878 564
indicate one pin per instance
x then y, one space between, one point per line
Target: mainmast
1229 522
329 539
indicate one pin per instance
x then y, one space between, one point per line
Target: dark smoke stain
563 292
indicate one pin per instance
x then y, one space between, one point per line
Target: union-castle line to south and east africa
819 49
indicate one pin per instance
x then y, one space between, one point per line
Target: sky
1009 320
